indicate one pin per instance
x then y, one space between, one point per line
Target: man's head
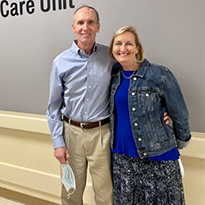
86 25
89 7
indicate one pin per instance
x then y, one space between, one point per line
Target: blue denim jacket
153 89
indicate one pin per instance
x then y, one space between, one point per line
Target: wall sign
16 9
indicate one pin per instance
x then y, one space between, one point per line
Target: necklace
129 76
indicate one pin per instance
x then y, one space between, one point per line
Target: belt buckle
82 124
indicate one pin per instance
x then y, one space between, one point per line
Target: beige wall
26 156
193 158
27 164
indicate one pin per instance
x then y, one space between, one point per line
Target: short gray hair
89 7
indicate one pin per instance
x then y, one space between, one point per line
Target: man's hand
166 118
61 154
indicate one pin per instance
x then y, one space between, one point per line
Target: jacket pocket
147 100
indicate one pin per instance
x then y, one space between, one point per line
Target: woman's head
125 46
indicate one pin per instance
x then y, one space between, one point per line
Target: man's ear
98 27
73 27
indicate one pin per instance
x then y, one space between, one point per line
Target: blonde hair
131 29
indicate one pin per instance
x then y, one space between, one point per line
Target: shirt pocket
147 100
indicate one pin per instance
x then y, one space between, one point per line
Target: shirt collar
79 51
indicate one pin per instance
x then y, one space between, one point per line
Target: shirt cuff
58 142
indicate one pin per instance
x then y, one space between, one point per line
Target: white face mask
68 179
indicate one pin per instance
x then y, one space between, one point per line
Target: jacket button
134 78
145 154
133 93
139 139
133 109
136 124
147 95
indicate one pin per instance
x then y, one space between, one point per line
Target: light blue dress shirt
83 82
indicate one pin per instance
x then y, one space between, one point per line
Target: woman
144 149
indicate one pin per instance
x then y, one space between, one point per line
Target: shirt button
85 113
87 99
136 124
139 139
133 93
134 78
133 109
147 95
89 86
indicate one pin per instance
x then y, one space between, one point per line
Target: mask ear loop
70 192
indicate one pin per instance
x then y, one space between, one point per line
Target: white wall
172 32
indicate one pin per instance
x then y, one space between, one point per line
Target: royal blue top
124 143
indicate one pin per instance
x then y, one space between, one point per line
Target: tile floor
8 202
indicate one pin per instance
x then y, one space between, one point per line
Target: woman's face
124 48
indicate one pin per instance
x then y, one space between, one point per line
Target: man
80 78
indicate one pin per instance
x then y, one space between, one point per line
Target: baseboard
23 198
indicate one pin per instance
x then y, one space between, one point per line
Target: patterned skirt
146 182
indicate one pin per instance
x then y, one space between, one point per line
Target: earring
136 55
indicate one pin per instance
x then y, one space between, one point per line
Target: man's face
85 27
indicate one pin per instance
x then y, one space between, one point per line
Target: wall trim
21 179
38 124
24 122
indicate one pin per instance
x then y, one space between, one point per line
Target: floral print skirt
146 182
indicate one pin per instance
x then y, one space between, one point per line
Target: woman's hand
166 118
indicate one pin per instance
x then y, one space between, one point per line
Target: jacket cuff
182 144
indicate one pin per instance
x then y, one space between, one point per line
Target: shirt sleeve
54 116
177 109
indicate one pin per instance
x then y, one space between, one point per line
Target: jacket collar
140 73
142 69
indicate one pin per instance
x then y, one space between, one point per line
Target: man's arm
54 116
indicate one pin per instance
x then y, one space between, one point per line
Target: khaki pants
91 146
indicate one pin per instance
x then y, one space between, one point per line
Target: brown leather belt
87 125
